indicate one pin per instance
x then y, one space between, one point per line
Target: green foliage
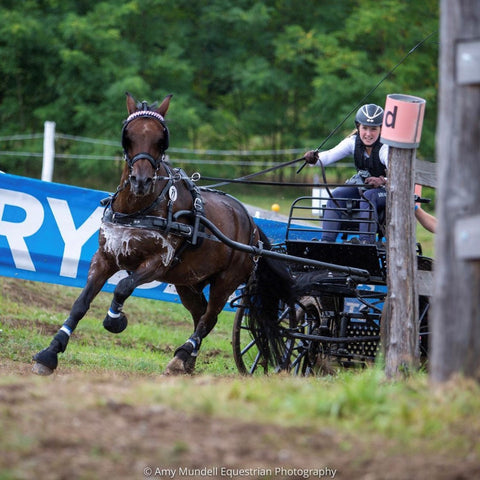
375 38
245 74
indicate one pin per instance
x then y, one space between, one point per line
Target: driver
371 161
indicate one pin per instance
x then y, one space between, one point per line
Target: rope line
368 94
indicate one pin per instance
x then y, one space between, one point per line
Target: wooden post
455 346
401 329
401 131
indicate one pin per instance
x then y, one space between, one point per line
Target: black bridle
146 113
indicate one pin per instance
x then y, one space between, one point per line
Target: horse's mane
144 105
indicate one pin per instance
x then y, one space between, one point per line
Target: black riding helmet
369 114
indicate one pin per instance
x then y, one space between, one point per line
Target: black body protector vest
372 163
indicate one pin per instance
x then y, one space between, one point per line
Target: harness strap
198 209
151 222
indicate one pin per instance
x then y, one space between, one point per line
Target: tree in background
245 74
374 38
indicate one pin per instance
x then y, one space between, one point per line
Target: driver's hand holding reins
311 157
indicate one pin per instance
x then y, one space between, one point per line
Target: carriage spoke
248 347
256 363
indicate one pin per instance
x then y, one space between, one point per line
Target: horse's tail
270 286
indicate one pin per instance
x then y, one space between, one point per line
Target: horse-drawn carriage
303 302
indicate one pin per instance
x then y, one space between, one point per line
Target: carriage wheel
247 356
424 329
309 320
425 264
312 357
423 326
245 350
300 357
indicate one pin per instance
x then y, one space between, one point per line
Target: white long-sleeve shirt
345 149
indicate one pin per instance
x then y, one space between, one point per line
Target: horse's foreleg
116 321
46 361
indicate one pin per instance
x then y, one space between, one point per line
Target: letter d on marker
390 117
403 120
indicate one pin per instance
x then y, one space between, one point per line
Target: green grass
154 331
354 401
360 403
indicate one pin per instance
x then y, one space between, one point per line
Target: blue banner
49 233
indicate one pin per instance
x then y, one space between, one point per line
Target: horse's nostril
141 185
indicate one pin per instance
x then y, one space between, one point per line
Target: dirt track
76 426
73 426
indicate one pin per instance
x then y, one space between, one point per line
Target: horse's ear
131 103
162 109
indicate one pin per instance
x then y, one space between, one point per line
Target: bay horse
152 228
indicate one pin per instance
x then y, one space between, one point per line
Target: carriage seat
350 221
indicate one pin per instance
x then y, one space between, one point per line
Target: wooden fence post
401 130
456 309
401 329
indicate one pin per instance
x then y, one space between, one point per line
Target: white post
48 151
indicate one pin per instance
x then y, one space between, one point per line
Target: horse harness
143 219
194 233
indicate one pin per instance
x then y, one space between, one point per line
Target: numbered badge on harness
172 193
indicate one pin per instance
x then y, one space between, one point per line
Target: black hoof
115 325
189 365
183 353
42 370
47 358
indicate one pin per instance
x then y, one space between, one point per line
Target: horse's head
144 141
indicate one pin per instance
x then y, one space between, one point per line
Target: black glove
311 157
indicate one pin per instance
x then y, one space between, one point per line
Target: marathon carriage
336 319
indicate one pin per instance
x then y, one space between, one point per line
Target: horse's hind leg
46 361
205 315
185 356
